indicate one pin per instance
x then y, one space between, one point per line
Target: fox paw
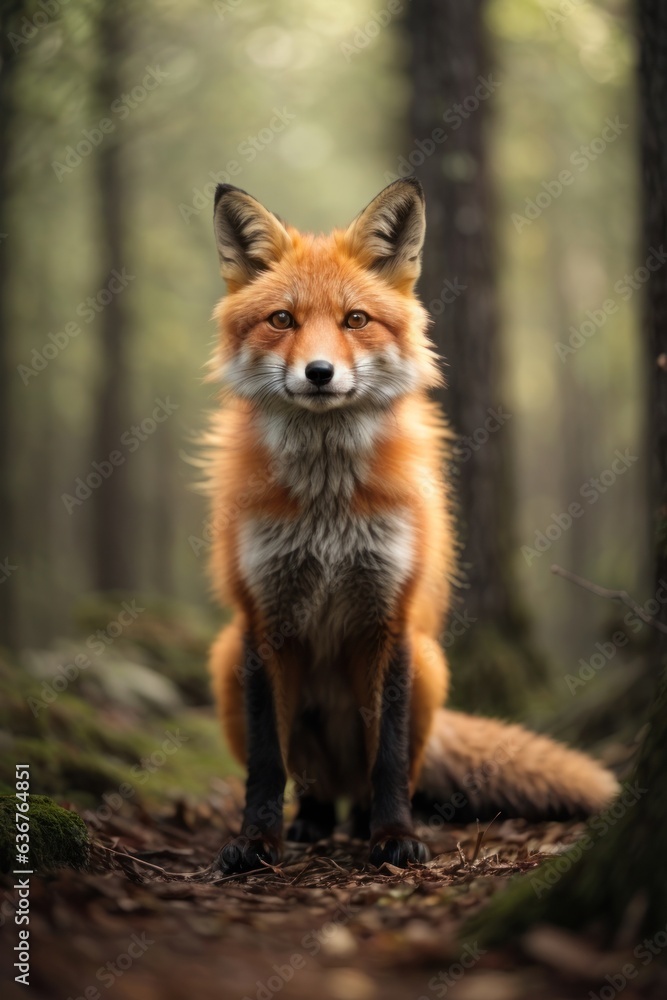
242 855
400 851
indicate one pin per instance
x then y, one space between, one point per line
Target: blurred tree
113 555
619 882
451 71
10 27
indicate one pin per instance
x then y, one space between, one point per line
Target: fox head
323 322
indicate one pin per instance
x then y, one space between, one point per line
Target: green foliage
614 876
563 69
172 637
58 837
228 67
88 732
495 671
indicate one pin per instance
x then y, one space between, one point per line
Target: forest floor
153 920
150 919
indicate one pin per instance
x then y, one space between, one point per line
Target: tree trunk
452 79
112 500
620 876
9 60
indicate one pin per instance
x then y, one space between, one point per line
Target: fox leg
430 677
314 821
226 666
392 836
261 831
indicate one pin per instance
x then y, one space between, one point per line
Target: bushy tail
476 767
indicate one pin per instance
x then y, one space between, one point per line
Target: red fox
333 542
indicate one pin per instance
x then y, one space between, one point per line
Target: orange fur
319 280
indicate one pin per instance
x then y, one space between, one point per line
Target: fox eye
356 320
281 320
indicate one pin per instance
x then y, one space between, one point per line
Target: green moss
201 757
512 910
174 638
64 770
81 751
618 868
58 837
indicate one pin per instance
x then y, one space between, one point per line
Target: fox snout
319 372
320 383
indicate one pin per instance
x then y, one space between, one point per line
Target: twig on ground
481 834
148 864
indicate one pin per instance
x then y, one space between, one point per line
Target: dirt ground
153 920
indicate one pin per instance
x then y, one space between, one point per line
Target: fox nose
319 372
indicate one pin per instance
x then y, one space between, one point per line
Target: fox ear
249 238
388 235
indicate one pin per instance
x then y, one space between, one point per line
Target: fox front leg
392 835
260 839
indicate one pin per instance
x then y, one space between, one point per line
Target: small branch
481 834
148 864
621 596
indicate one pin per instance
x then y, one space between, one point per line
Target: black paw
399 851
306 831
245 855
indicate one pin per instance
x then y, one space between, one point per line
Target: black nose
319 372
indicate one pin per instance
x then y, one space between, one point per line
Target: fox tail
476 767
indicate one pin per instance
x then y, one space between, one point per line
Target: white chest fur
325 572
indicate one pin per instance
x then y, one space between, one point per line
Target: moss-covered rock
83 743
171 637
58 837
